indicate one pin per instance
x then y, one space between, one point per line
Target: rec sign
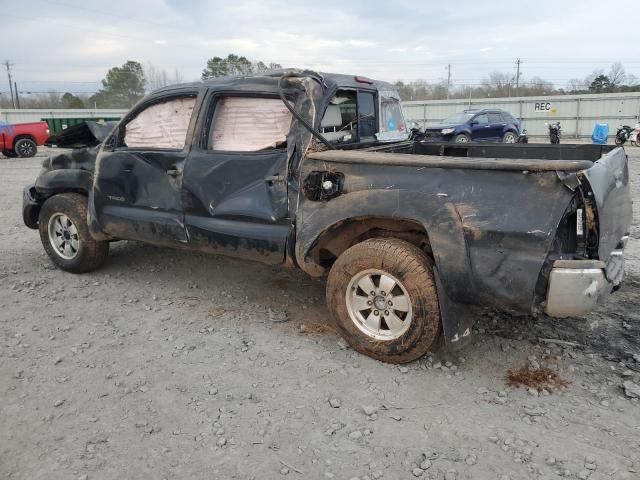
542 107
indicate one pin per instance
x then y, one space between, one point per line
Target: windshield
392 124
460 117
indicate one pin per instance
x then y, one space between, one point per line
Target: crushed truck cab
315 171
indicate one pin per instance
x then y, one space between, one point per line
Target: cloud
373 38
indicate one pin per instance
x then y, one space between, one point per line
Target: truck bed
537 151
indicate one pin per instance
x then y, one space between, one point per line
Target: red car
22 139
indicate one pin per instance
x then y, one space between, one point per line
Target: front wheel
25 148
462 138
65 236
619 141
382 296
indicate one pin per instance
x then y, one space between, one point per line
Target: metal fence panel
577 114
36 115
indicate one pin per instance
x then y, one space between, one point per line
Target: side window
249 124
161 125
495 118
338 124
367 122
506 118
481 119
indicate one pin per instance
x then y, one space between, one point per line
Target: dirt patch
542 378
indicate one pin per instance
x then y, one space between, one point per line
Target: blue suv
475 126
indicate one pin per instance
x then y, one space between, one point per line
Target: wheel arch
28 136
343 234
431 222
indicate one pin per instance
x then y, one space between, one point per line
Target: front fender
55 181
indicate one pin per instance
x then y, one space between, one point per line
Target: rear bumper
576 287
30 207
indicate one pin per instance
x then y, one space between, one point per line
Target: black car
476 126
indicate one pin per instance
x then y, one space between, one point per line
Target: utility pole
8 65
15 87
517 75
448 79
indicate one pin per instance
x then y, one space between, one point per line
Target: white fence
33 115
577 114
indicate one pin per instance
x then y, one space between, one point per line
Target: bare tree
576 84
157 78
617 75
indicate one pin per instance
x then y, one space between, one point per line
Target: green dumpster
56 125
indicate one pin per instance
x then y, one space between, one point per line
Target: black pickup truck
316 171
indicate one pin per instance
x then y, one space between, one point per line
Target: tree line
500 84
124 85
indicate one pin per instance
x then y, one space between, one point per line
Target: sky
69 45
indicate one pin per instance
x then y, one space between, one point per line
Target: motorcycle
635 136
415 133
554 132
523 137
623 134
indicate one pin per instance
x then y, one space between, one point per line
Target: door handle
172 172
274 179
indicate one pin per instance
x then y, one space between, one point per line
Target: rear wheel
65 236
26 148
382 296
509 137
462 138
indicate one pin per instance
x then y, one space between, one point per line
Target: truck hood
438 126
72 169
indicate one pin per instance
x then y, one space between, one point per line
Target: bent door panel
235 202
137 190
135 197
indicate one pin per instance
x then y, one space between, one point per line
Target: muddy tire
382 296
65 235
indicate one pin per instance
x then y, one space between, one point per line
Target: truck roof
269 80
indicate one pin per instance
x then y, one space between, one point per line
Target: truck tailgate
609 180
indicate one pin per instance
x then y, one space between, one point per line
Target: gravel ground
168 364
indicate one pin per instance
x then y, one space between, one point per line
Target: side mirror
473 123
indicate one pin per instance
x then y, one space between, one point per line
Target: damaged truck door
235 186
137 191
